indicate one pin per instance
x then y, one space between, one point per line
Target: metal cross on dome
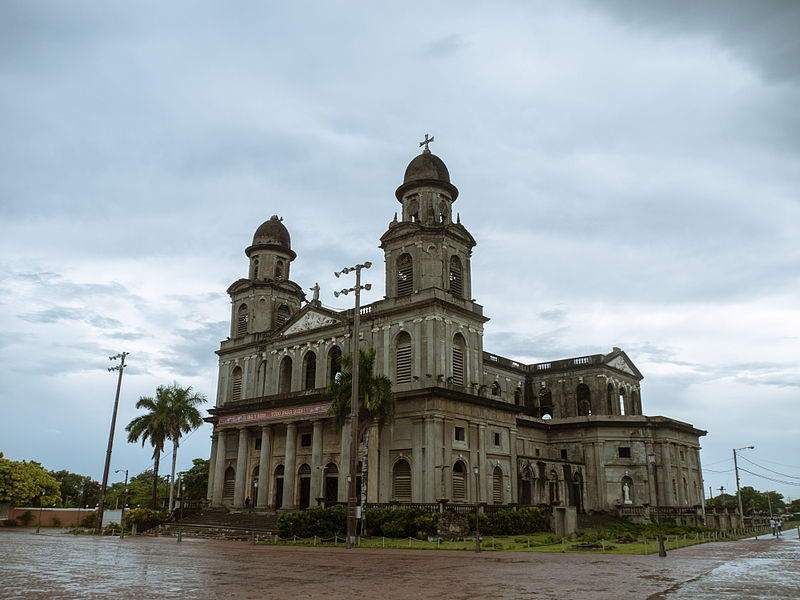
425 143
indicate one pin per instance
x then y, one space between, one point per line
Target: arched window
403 345
610 399
255 268
526 486
518 396
497 486
545 404
230 481
456 278
279 269
331 492
459 346
621 401
236 384
443 213
685 492
278 476
459 482
584 400
334 363
401 481
309 371
405 275
282 315
413 210
243 317
496 388
577 491
285 378
552 482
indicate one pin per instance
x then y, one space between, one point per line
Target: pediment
619 360
312 319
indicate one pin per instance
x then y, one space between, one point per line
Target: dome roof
274 235
426 169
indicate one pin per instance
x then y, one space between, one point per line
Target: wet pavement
57 565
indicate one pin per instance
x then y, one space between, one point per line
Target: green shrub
112 529
89 521
56 522
26 518
144 518
11 523
529 519
320 521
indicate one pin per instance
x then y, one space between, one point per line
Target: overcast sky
630 171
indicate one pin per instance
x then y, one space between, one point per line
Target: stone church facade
564 433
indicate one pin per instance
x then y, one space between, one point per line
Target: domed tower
267 298
426 248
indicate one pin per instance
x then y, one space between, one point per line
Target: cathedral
567 434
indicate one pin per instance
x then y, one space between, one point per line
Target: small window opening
563 454
460 434
496 439
305 440
624 452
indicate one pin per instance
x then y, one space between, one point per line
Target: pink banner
278 413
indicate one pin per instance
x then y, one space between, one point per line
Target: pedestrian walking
780 527
772 525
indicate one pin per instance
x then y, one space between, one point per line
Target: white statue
626 493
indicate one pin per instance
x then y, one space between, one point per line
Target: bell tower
426 248
267 298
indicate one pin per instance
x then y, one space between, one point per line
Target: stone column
290 469
316 462
474 459
484 464
344 462
512 471
666 476
264 474
374 472
430 461
219 469
212 467
384 490
446 428
239 491
430 367
418 461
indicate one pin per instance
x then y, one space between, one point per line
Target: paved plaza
57 565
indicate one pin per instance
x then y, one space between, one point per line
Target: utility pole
738 492
352 500
101 505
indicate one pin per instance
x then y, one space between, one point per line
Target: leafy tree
794 506
172 413
376 401
196 479
22 482
77 490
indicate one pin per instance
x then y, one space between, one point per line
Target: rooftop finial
425 143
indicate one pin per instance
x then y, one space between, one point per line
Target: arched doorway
305 486
401 481
497 486
331 484
278 502
254 487
459 481
525 486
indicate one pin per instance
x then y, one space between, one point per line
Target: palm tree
169 416
152 425
184 418
376 401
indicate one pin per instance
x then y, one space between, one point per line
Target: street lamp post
101 504
477 510
124 502
351 495
738 492
41 499
651 458
253 511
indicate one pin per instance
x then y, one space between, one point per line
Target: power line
779 464
770 478
713 471
770 470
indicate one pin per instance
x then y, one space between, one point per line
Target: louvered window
401 481
241 328
282 315
459 482
236 386
456 278
403 358
255 268
405 275
458 366
285 377
497 487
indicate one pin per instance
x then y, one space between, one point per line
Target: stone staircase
222 524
